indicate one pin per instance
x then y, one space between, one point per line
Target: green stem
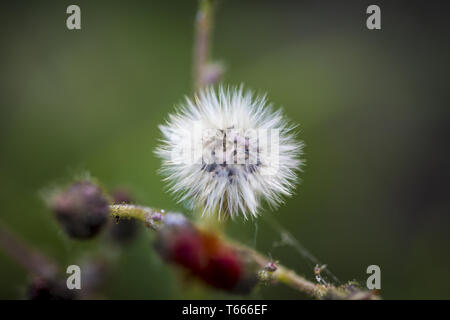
151 217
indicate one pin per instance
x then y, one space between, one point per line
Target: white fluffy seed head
227 150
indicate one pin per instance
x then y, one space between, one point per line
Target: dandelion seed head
226 151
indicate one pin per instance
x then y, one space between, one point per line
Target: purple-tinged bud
271 267
157 216
81 210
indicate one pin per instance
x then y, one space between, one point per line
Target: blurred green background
373 109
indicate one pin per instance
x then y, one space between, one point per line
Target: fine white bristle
227 150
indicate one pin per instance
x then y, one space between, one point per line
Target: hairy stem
154 219
203 26
151 217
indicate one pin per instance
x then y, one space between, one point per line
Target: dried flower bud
204 255
49 289
81 209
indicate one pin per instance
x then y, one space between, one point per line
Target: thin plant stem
203 27
31 259
282 274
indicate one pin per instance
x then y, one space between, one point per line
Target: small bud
49 289
157 216
271 267
204 255
154 220
81 209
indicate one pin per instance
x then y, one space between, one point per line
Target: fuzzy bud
81 210
204 255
